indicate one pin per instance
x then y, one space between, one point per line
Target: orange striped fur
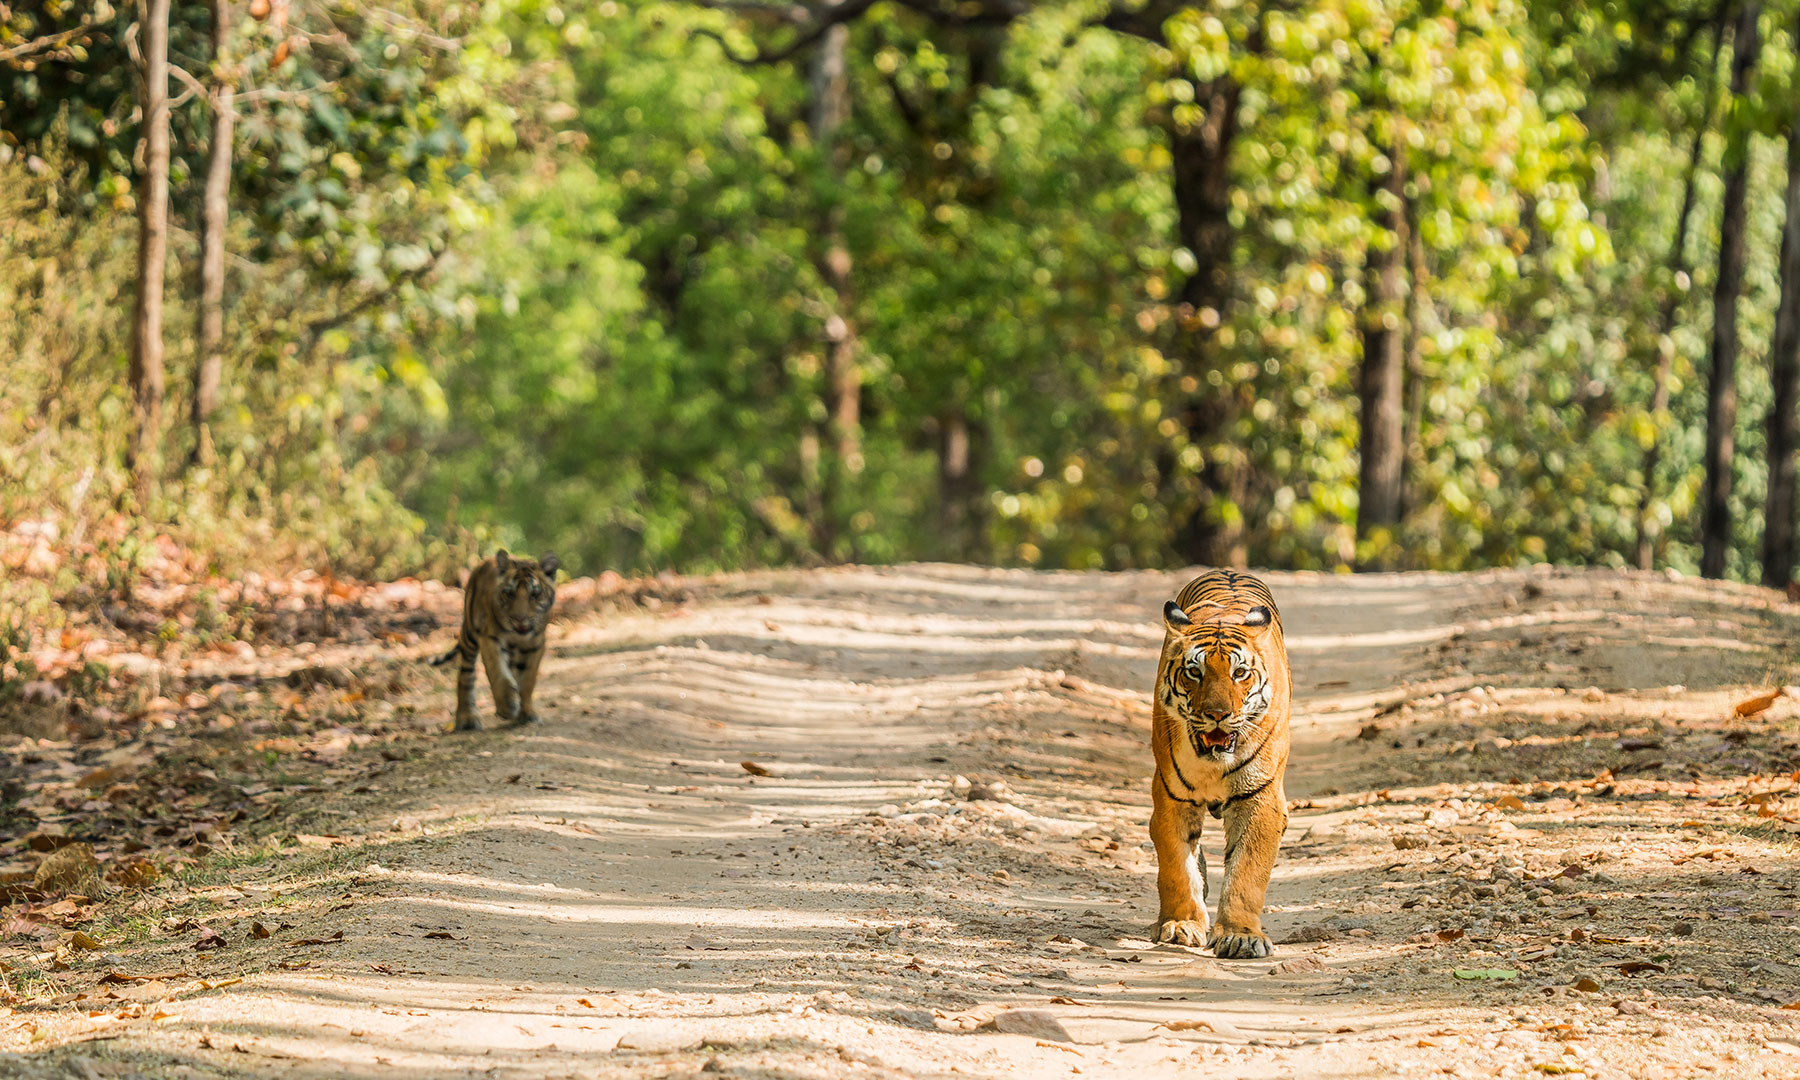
1220 738
506 607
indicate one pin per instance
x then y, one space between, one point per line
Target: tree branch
319 326
48 41
795 14
401 24
1144 22
989 13
817 27
193 87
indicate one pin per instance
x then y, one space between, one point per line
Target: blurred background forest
721 283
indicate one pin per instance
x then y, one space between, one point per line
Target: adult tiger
1220 736
506 606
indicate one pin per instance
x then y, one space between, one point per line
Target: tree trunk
1201 158
1671 304
1784 363
1381 443
961 447
215 210
1721 391
1416 300
146 372
843 373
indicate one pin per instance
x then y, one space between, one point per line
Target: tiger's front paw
529 716
465 721
1183 931
1239 943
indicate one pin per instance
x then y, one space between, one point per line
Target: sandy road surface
1533 780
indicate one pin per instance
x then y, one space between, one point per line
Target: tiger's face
524 591
1215 680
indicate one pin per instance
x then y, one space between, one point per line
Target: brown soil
1530 836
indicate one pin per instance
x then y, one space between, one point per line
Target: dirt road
1529 837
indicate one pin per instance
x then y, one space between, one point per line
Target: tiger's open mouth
1216 742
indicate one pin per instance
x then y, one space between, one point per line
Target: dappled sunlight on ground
746 823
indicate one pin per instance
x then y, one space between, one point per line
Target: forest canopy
713 284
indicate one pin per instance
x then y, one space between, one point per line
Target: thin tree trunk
146 371
843 373
961 447
1783 432
215 211
1722 403
1418 274
1201 160
1382 443
1671 305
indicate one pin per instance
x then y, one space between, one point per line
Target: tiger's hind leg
1253 831
525 673
1180 868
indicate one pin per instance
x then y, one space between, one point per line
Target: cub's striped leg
466 650
1253 828
1180 868
525 663
499 676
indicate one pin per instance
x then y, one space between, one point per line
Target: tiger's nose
1216 718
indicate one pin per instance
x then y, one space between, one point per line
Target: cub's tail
440 661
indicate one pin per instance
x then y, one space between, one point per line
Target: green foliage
575 277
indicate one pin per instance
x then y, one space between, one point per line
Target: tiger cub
1220 735
506 607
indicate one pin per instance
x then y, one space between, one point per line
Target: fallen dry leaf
1752 706
134 873
116 977
444 935
334 939
754 769
1586 985
1189 1025
258 930
1510 802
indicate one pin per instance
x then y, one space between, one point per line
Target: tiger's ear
1176 618
550 564
502 560
1259 618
